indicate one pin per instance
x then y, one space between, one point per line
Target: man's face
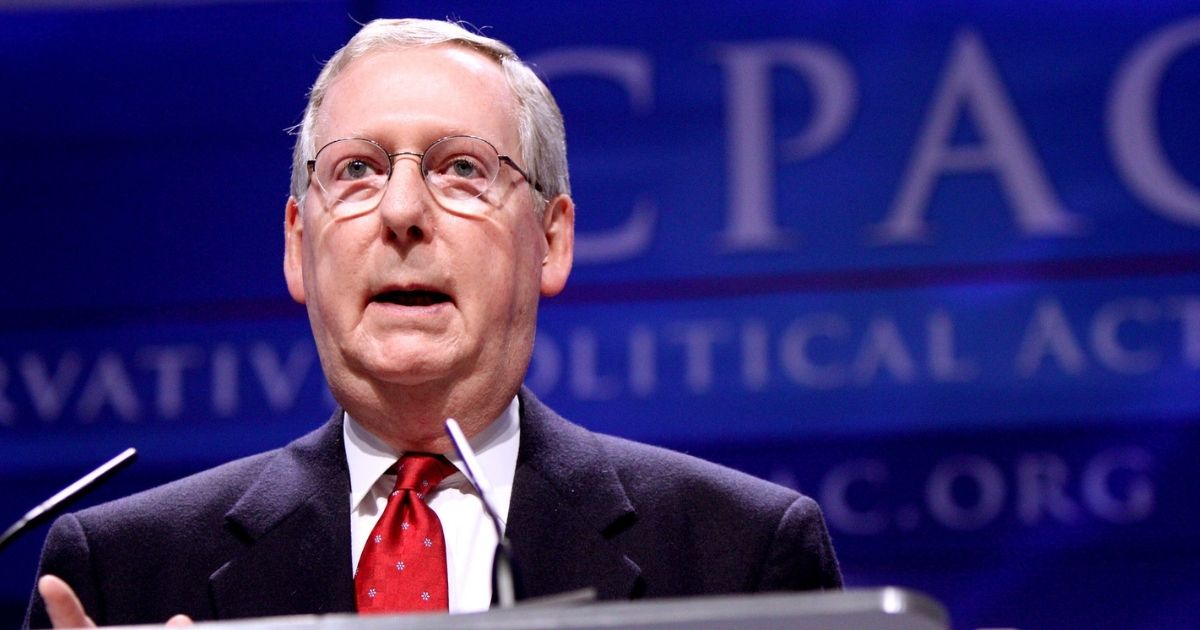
413 297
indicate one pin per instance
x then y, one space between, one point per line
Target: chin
408 367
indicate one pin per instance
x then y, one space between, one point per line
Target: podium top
887 608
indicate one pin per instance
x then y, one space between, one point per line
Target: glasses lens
460 169
351 172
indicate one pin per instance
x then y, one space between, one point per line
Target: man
429 210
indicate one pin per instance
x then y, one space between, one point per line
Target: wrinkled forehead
405 98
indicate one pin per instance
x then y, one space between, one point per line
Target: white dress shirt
470 536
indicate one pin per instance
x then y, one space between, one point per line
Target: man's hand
62 605
65 610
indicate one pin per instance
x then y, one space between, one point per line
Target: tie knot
422 472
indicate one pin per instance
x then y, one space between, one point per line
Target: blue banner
935 264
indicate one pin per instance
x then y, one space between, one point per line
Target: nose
405 211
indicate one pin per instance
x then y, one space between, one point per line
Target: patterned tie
403 565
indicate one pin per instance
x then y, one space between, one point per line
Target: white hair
540 124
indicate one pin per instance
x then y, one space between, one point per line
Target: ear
293 249
558 225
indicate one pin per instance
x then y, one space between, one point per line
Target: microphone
56 503
504 572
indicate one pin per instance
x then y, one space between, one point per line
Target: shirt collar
369 457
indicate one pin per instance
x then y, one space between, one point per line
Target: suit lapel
567 506
295 523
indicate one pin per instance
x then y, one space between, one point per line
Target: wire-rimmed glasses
353 173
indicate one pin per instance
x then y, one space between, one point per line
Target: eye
460 167
463 167
357 168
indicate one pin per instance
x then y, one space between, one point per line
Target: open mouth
412 298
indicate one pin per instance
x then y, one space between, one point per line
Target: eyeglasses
354 173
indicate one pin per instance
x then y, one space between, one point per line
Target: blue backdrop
934 264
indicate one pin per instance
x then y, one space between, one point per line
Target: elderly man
429 210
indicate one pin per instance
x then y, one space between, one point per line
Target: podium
887 608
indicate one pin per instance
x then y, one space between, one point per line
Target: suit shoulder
692 526
657 471
211 491
693 500
652 476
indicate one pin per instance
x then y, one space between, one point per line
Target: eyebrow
423 140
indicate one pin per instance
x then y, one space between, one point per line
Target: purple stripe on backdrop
1165 265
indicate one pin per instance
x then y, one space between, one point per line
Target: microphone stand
505 579
56 503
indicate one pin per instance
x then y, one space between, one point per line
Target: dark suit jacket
270 534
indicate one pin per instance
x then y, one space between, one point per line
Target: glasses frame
501 158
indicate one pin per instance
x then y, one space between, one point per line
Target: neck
415 420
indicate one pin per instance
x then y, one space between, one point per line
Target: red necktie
403 565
